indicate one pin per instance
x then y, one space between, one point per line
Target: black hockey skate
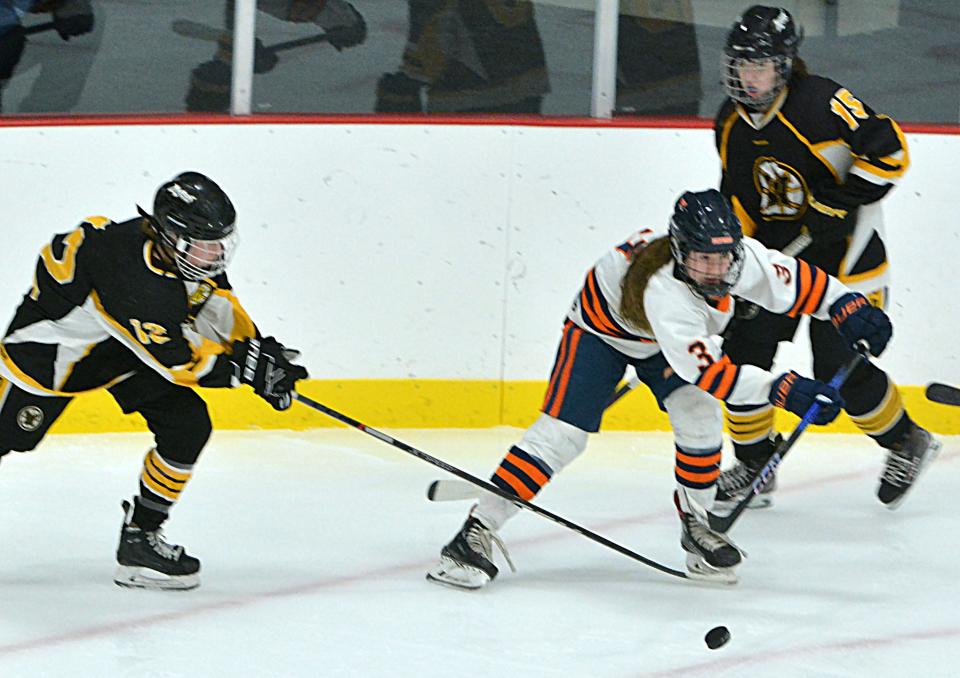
467 561
146 561
733 483
710 554
905 463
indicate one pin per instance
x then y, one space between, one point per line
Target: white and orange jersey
686 328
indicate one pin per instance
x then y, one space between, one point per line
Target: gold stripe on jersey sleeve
63 269
98 222
815 149
879 172
904 146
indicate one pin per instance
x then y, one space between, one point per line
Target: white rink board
443 251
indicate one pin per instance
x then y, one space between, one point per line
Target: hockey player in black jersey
801 154
143 309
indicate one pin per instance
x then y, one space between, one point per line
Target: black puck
717 637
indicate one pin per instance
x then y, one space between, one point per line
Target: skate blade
699 569
928 457
759 501
133 577
457 576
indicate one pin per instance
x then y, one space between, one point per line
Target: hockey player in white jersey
659 303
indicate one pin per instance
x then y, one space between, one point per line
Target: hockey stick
630 384
724 523
943 394
458 490
489 487
195 29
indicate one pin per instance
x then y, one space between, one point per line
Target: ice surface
315 545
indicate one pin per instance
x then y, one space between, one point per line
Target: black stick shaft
299 42
724 523
489 487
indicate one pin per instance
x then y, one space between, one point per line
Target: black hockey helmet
704 222
196 221
760 36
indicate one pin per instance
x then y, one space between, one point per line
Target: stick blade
451 490
943 394
196 30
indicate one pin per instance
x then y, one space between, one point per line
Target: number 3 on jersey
699 350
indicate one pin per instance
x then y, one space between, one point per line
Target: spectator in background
468 56
210 81
71 18
658 63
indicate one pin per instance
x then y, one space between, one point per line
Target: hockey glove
856 320
265 365
72 18
344 25
827 224
797 394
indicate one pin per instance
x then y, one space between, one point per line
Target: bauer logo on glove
856 320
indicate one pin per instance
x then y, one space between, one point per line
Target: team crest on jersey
781 188
30 418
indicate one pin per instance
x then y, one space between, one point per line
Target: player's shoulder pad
808 107
97 223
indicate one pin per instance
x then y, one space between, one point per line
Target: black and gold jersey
817 148
101 307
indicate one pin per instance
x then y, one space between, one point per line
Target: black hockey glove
72 18
12 43
797 394
856 320
265 365
827 224
344 25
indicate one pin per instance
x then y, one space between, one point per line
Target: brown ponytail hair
646 262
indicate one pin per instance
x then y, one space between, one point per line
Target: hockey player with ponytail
143 309
658 304
801 155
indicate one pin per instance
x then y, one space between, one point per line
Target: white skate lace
901 468
161 547
706 537
735 479
480 539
